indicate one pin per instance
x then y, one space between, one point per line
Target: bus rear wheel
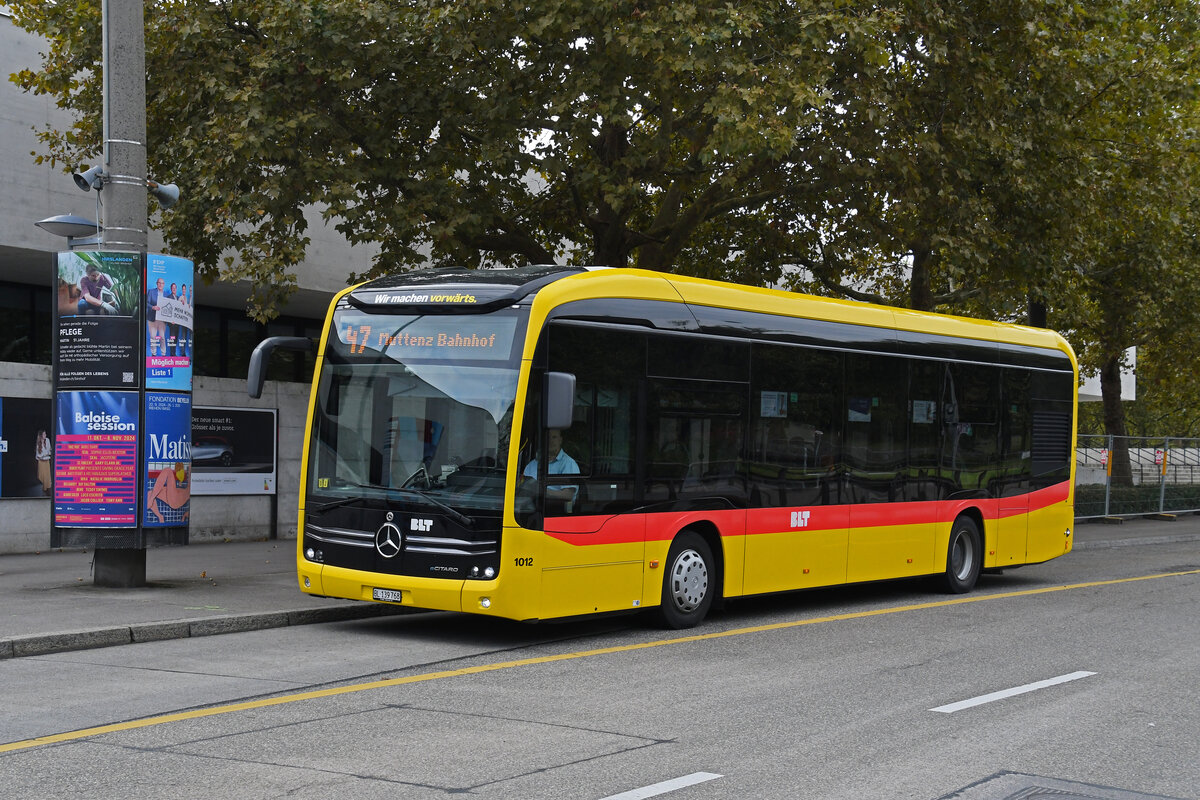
964 557
688 582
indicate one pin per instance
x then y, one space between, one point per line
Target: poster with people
168 452
95 460
98 311
170 331
26 447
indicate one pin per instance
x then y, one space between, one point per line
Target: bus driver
559 464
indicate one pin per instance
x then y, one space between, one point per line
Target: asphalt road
1079 678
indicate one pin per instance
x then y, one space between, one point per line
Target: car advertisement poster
233 450
26 447
95 460
168 456
98 318
170 299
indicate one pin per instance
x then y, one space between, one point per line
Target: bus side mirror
257 374
560 400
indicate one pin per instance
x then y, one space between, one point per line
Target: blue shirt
562 464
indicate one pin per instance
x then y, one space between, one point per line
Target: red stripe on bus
629 528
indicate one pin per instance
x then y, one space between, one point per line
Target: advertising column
123 380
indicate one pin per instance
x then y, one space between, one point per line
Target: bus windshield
412 405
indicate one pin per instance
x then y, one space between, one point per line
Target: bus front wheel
964 556
688 586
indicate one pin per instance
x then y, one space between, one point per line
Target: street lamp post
119 550
126 219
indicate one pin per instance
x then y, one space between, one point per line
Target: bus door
796 529
594 548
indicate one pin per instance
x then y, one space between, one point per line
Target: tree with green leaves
625 133
942 194
995 125
955 156
1137 250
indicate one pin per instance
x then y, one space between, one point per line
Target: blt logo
800 519
423 525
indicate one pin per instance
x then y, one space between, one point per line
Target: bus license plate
387 595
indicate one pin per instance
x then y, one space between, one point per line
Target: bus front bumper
435 594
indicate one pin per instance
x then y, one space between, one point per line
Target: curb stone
40 644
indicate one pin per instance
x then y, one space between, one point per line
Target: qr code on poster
126 377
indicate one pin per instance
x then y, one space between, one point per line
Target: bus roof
462 288
717 294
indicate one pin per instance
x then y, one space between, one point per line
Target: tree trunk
1114 420
609 248
920 293
1037 314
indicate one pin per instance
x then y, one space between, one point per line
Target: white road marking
665 786
994 696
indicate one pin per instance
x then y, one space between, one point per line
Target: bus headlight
485 602
489 573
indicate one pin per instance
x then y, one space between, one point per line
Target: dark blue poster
95 460
168 473
26 447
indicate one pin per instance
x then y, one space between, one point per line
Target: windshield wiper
454 514
332 504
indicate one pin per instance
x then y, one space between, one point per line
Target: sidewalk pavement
49 604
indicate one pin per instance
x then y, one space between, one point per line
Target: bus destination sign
487 338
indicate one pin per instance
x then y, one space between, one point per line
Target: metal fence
1164 476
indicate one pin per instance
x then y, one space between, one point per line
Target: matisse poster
168 454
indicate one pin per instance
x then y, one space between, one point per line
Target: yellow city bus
548 442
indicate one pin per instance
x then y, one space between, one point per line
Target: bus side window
607 363
794 449
924 431
876 440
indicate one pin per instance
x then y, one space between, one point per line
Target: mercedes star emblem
387 540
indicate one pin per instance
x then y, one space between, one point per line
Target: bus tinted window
924 475
1016 433
695 433
795 430
608 364
971 444
876 438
